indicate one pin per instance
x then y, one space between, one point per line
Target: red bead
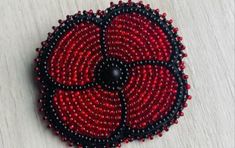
189 97
181 114
164 15
111 4
185 77
188 86
175 30
170 21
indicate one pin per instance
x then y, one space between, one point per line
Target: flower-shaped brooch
112 76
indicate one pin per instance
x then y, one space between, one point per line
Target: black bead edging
181 97
47 49
78 139
123 132
151 15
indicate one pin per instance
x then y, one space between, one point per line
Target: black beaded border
75 138
49 86
173 115
171 65
148 13
50 43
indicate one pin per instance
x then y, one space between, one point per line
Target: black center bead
111 74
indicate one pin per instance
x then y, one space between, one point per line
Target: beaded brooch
112 76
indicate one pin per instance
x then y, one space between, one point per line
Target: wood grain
208 30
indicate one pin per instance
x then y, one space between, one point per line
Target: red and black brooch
112 76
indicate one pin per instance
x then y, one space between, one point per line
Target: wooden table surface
208 30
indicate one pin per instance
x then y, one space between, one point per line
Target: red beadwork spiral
112 76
